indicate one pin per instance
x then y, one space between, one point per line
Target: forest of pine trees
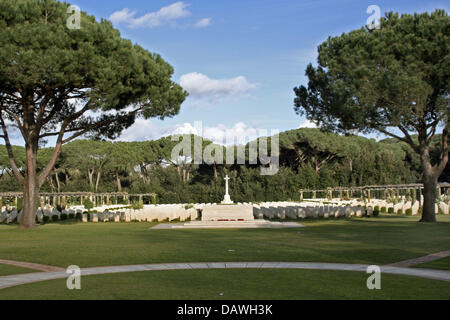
309 158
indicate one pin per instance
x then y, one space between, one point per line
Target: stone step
236 224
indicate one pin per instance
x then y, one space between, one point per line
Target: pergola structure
375 191
63 198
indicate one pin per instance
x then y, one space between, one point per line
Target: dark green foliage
383 210
358 161
408 211
391 210
63 216
393 80
376 211
45 219
137 205
59 82
88 204
400 211
54 218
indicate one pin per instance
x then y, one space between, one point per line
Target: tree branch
404 139
9 149
439 168
101 124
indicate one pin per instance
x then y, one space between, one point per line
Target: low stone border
415 261
30 265
15 280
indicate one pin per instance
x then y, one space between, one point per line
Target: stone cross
226 184
226 198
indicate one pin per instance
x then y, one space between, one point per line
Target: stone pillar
314 194
301 195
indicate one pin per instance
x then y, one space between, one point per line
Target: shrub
400 211
71 215
137 205
408 211
63 216
391 210
383 209
78 216
45 219
376 211
88 204
54 217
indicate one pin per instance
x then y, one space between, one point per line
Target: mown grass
381 240
265 284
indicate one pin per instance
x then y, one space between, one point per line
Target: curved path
14 280
30 265
415 261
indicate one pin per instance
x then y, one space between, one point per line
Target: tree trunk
429 180
99 173
429 197
30 191
119 185
50 182
30 197
58 184
431 175
90 176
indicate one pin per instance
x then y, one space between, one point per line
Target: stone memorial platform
228 212
228 216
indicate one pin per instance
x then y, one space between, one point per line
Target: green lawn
6 269
382 240
267 284
443 264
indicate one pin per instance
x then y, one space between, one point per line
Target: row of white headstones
319 208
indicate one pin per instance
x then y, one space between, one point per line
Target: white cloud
141 130
203 22
185 128
123 15
239 133
201 86
308 124
164 15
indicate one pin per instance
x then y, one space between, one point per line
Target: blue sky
240 59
